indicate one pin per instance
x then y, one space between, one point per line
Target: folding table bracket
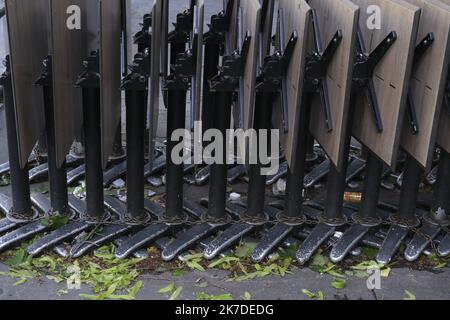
332 217
317 67
223 85
21 210
406 218
269 84
418 54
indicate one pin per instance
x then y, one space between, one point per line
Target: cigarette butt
353 197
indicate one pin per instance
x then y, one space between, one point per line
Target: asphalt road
424 285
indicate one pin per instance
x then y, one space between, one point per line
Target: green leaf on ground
371 253
247 296
206 296
193 261
200 283
316 296
55 222
167 289
5 181
339 284
21 281
245 250
178 273
19 256
222 261
409 296
176 293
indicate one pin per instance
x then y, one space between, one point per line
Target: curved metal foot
202 175
61 250
153 208
186 239
193 208
432 176
229 237
77 205
421 240
64 233
144 237
355 168
114 173
348 241
4 168
42 202
116 206
236 209
282 173
317 174
38 172
444 246
140 254
235 173
157 165
318 236
7 225
41 171
107 234
270 240
6 203
189 237
76 174
22 233
119 170
391 243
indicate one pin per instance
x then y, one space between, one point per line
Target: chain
193 221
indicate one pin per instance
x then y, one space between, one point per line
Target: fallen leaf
206 296
167 289
176 293
339 284
409 296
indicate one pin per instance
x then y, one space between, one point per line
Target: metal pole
257 181
118 151
57 175
337 179
371 189
409 192
176 117
136 123
89 81
442 191
175 49
294 187
218 177
20 186
93 159
210 69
